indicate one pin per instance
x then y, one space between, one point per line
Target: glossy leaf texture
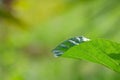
99 51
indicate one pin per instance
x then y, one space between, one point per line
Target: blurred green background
30 29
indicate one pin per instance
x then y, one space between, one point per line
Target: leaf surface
99 51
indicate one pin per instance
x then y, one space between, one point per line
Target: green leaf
99 51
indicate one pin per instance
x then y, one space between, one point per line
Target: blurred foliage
6 13
26 54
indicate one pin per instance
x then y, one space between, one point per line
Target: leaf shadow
115 56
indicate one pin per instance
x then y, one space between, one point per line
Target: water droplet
64 46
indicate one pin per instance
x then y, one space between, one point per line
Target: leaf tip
64 46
